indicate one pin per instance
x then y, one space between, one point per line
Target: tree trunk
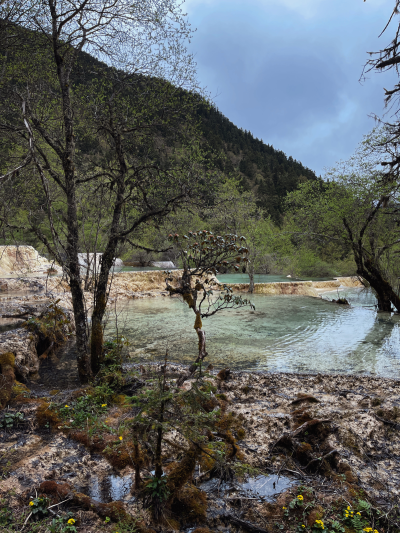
68 164
158 460
384 292
202 355
251 278
107 260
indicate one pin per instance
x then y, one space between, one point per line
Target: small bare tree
202 253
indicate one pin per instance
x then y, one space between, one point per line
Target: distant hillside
269 172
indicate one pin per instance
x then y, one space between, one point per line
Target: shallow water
109 488
284 333
263 487
261 278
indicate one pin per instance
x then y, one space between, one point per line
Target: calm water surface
284 333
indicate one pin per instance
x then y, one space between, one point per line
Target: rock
22 343
163 264
93 261
23 259
3 286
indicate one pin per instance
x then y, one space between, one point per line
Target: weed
11 420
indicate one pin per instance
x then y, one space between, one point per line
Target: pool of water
261 278
284 333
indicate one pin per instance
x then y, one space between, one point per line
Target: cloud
288 70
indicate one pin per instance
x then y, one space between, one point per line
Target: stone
22 343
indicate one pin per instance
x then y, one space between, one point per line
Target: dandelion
283 508
31 503
67 406
300 497
120 438
104 405
71 521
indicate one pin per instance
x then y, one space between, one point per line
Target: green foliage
10 419
86 409
53 325
39 506
63 524
157 487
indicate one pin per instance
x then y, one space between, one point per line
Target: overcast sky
288 70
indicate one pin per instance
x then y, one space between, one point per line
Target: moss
7 380
198 323
183 471
190 504
119 455
376 401
19 389
241 433
59 491
189 299
316 514
223 374
222 397
7 358
46 416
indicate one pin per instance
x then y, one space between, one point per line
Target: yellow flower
31 503
376 531
359 513
300 497
120 438
348 508
283 507
104 405
71 521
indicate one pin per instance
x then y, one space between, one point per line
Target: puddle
267 486
109 488
263 487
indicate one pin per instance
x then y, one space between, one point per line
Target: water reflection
284 333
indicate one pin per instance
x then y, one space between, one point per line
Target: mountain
265 170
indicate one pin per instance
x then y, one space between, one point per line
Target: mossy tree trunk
368 268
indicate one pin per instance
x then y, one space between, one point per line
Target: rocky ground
333 438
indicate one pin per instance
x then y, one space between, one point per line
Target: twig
55 505
26 521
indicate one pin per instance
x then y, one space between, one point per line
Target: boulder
22 343
163 264
22 260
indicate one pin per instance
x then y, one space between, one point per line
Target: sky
289 70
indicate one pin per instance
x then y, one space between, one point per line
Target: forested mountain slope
269 172
262 168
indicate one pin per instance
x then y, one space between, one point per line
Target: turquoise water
284 333
261 278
